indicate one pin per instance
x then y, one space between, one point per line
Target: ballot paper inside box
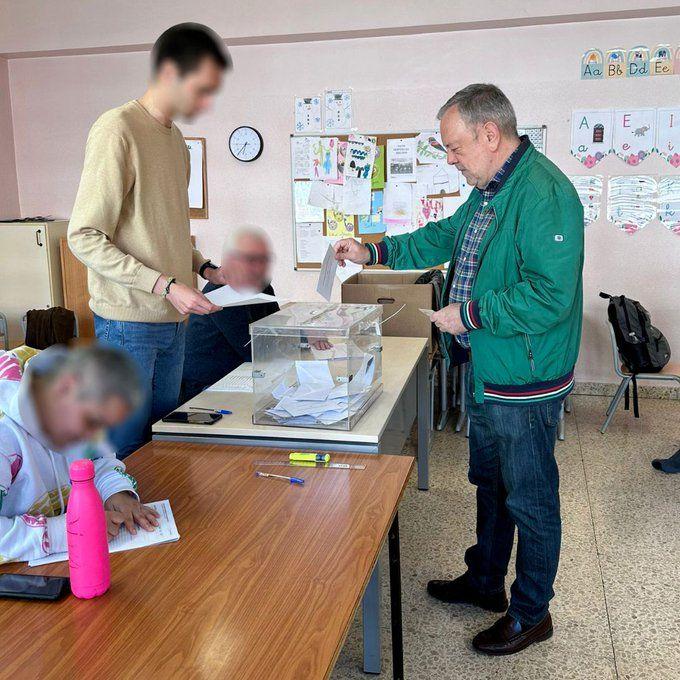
316 365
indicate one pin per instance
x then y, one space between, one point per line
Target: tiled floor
617 606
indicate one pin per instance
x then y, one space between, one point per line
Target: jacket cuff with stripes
377 253
469 315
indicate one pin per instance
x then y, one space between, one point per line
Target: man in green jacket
513 300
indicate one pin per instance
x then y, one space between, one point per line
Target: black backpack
643 348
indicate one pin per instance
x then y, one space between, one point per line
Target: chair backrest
615 352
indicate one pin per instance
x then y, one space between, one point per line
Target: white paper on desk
327 274
239 380
165 532
226 296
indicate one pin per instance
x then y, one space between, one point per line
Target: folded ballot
226 296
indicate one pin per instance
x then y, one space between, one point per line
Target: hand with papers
316 398
226 296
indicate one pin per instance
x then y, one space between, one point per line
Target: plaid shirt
467 262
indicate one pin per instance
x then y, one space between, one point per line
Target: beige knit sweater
130 221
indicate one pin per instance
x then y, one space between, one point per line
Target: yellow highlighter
299 456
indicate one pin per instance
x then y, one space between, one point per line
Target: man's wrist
377 253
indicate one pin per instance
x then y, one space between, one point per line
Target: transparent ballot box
316 365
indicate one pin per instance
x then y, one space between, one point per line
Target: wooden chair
670 372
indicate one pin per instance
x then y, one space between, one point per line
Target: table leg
395 601
370 616
423 398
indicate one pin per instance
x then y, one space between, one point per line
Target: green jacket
526 310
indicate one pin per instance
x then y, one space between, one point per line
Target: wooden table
382 429
263 582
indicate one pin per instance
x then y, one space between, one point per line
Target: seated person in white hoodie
51 414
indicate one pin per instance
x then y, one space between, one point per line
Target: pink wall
9 197
399 83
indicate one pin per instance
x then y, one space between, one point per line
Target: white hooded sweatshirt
34 476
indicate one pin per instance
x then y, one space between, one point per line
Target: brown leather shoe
508 636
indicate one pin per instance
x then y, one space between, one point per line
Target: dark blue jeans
513 466
158 349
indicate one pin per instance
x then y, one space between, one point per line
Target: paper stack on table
316 398
165 532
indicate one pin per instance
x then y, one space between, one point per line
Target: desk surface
399 359
263 582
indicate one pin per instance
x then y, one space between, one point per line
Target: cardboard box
392 290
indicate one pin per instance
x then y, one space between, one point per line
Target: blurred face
253 258
68 418
471 149
193 93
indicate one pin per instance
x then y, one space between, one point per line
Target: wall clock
246 144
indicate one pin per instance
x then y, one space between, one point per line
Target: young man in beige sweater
130 221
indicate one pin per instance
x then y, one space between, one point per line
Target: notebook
239 380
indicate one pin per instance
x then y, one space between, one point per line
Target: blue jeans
513 466
158 349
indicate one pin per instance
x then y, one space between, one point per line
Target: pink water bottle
88 548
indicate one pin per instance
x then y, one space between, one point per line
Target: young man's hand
124 508
184 299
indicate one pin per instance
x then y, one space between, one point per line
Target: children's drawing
668 134
591 135
631 201
308 114
323 158
634 134
338 110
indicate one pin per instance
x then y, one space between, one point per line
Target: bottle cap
81 470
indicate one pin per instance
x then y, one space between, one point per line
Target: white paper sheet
226 296
165 532
337 110
308 114
309 242
398 202
303 211
299 154
356 196
327 274
401 160
326 196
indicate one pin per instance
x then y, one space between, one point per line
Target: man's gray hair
483 103
102 371
235 235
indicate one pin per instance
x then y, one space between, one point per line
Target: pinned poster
437 180
309 242
303 211
359 157
592 65
452 203
378 174
339 225
428 210
398 202
356 196
669 203
337 110
615 63
373 223
324 195
591 135
631 202
634 134
342 150
637 64
308 114
662 61
323 158
429 148
299 153
668 134
589 190
401 160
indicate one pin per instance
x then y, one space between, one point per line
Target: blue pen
292 480
223 411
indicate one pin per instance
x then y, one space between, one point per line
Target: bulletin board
381 138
